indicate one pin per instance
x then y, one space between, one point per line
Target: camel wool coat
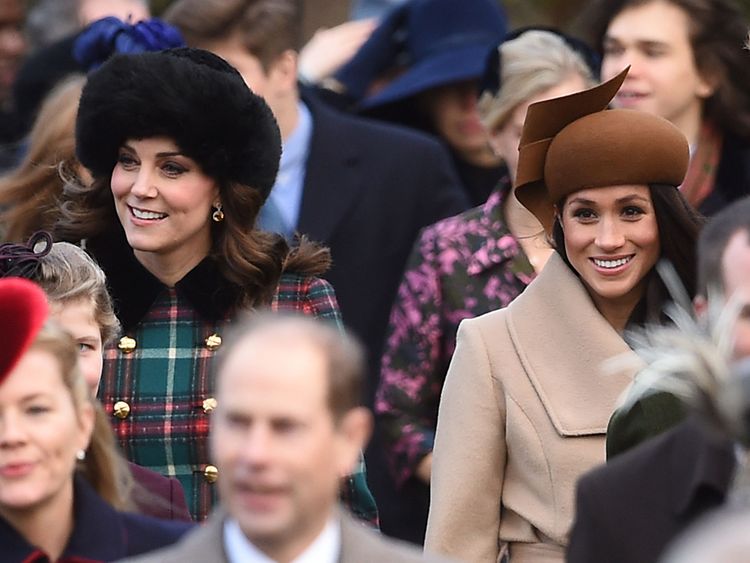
522 415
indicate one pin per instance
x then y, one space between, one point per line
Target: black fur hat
189 95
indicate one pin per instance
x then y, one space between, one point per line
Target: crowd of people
394 295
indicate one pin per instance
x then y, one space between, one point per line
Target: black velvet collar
134 288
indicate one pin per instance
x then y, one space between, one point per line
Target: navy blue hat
110 35
438 42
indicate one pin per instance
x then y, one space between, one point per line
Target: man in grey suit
287 427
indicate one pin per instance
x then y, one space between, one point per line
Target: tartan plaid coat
159 388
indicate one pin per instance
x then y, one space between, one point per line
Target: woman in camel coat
526 401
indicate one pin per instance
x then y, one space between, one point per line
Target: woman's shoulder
295 285
147 533
485 322
306 294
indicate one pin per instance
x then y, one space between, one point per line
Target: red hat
23 311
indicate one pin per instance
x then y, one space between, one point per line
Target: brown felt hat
574 142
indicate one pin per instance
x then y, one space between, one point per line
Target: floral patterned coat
460 267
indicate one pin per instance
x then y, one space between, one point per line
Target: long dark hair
250 258
679 225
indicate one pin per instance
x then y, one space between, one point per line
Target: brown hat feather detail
573 143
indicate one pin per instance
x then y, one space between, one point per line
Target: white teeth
612 263
140 214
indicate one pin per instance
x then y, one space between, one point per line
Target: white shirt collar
325 549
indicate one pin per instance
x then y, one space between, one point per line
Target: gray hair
531 63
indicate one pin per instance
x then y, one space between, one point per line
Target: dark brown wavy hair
248 257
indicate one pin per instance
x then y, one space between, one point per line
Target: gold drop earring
218 214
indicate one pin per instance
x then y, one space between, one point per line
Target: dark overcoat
369 188
100 533
631 508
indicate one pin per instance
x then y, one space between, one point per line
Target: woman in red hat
56 489
526 401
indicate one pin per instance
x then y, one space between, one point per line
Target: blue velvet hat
438 42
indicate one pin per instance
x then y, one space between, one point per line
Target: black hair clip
23 260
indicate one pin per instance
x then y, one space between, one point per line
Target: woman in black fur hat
183 155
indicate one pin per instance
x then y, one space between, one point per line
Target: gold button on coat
213 342
211 474
121 410
126 344
209 405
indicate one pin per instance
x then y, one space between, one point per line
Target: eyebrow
625 199
640 42
159 154
27 398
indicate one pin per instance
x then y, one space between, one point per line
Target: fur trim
692 359
189 95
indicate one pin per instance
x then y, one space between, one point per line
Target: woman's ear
86 421
558 216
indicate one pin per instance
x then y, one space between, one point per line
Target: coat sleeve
412 372
178 504
469 456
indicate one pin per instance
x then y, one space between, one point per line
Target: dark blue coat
369 188
732 176
101 533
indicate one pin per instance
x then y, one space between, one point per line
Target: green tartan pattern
166 379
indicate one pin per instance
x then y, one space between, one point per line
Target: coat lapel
332 175
557 331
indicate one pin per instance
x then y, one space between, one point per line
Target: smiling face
279 451
78 318
164 202
40 432
612 241
663 80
